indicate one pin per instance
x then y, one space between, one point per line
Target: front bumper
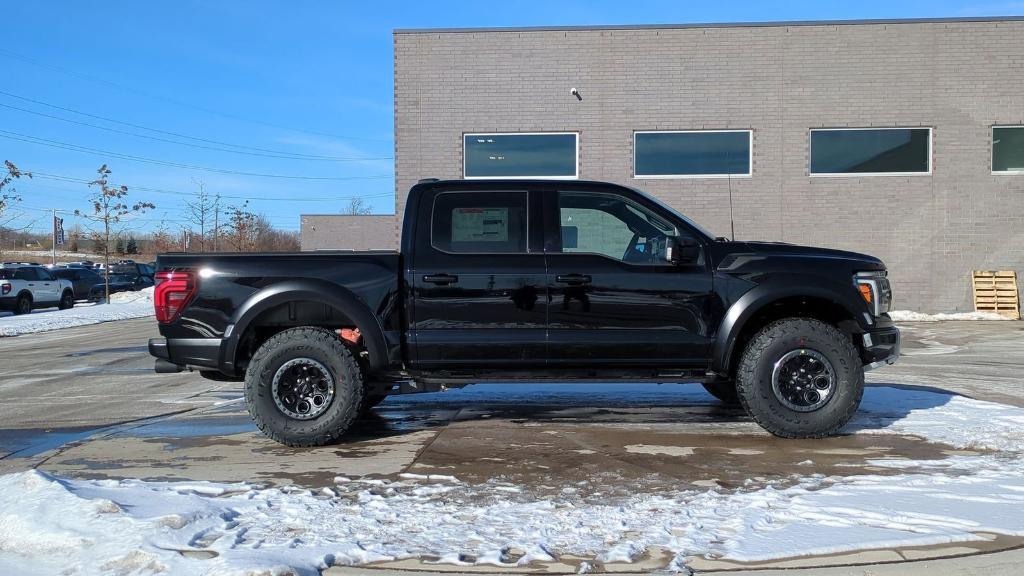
200 352
881 347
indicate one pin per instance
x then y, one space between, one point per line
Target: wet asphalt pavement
84 402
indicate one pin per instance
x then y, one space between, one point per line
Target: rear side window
6 274
25 274
479 222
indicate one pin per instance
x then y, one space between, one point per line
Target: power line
106 82
265 152
61 178
98 152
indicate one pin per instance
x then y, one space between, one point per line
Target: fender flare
752 302
307 290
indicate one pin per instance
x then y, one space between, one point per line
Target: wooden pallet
996 291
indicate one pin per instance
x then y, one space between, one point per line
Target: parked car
24 287
516 280
131 267
126 282
82 279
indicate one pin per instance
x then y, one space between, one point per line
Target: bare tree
202 212
241 227
163 241
8 195
109 207
356 206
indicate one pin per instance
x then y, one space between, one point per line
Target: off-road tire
724 390
67 300
23 305
754 378
325 347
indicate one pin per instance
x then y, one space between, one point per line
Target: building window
867 151
521 155
1008 149
471 222
692 154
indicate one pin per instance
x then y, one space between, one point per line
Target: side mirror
682 250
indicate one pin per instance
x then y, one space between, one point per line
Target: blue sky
260 87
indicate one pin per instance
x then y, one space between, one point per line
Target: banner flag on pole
58 230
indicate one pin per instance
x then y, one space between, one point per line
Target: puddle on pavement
29 442
118 350
191 428
575 451
598 461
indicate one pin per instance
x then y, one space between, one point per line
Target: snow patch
909 316
50 525
123 306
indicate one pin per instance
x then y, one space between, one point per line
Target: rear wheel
304 387
67 300
800 378
23 305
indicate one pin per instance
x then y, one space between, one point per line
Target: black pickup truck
524 281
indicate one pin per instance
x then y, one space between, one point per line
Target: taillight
5 289
173 291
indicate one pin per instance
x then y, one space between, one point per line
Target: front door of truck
615 299
478 281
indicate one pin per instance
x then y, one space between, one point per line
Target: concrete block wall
957 77
348 232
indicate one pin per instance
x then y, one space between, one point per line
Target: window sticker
480 225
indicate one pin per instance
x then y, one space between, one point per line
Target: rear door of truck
479 280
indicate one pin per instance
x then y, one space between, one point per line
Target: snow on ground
909 316
50 525
123 306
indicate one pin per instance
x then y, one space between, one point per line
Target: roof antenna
732 221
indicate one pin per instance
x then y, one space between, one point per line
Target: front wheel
800 378
303 387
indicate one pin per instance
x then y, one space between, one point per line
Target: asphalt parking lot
84 403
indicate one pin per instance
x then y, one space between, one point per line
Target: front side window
548 155
862 151
479 222
611 225
696 154
1008 149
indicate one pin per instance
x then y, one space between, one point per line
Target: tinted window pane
480 222
869 151
525 155
1008 149
692 153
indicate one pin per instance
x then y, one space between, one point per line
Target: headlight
874 289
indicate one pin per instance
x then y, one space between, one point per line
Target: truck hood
739 248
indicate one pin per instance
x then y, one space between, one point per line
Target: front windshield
676 213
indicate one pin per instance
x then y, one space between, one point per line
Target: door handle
573 279
441 279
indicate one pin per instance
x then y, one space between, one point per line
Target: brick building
903 139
